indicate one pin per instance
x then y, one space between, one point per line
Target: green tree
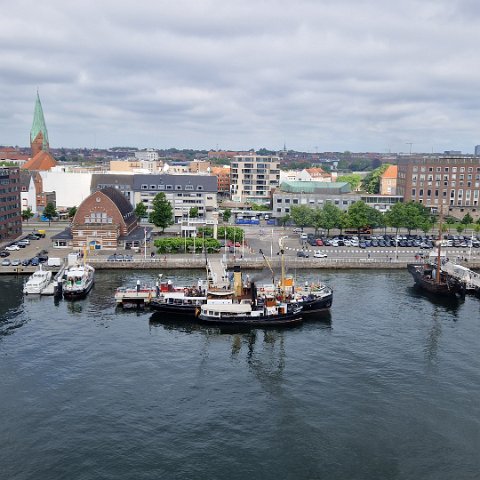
193 212
395 216
360 215
227 213
162 212
476 228
460 228
141 210
284 220
317 219
72 212
353 179
371 183
50 211
27 214
467 219
302 216
331 217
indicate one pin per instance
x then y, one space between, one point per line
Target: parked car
297 230
26 262
320 255
15 263
5 262
34 262
319 242
12 248
4 253
303 236
303 254
25 241
43 258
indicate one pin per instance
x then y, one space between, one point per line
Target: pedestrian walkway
217 273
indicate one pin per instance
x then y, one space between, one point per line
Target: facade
199 166
105 220
440 181
388 181
28 193
312 194
134 165
223 179
314 175
182 191
477 150
253 177
10 213
71 187
148 155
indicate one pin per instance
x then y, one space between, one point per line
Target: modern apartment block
10 214
253 177
437 181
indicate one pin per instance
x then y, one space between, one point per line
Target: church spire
38 133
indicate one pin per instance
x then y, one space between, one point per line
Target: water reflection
448 304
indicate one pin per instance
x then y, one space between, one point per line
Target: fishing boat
38 281
78 280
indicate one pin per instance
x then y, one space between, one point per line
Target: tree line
409 216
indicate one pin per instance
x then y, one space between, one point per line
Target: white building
148 155
253 177
71 187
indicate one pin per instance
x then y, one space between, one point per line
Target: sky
319 75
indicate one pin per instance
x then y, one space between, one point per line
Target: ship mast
439 258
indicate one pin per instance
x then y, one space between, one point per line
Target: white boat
37 282
78 280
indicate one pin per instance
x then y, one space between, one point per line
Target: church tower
38 133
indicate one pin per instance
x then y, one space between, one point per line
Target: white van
54 262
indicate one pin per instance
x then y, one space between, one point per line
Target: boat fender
197 312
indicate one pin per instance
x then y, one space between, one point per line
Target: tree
395 216
467 219
302 216
27 214
360 215
72 212
49 211
284 220
460 228
227 213
162 212
353 179
193 212
331 217
141 210
371 183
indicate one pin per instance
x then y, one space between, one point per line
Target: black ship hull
316 305
283 320
424 278
178 311
77 294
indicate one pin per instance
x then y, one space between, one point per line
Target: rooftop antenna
409 143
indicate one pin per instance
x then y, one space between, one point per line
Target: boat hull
248 321
423 278
178 311
78 294
316 305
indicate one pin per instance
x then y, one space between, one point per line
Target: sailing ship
429 275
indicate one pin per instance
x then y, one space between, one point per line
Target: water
389 389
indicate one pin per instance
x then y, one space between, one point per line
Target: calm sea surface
388 389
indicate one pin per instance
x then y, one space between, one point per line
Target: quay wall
250 263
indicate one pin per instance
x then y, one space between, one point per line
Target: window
144 187
178 187
189 187
169 187
161 187
153 187
199 187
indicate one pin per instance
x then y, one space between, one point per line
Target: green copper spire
39 124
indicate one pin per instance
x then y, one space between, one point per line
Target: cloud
334 75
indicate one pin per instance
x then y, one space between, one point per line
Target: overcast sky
337 75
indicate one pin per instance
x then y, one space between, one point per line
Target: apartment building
440 181
10 214
253 177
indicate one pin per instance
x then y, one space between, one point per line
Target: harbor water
387 386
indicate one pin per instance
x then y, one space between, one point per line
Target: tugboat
313 298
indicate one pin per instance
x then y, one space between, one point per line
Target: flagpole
145 243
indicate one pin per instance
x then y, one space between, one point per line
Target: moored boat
78 280
38 281
265 312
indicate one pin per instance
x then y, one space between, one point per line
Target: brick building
105 220
388 181
10 204
436 181
223 179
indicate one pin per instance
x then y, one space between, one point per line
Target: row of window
170 187
416 168
429 192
